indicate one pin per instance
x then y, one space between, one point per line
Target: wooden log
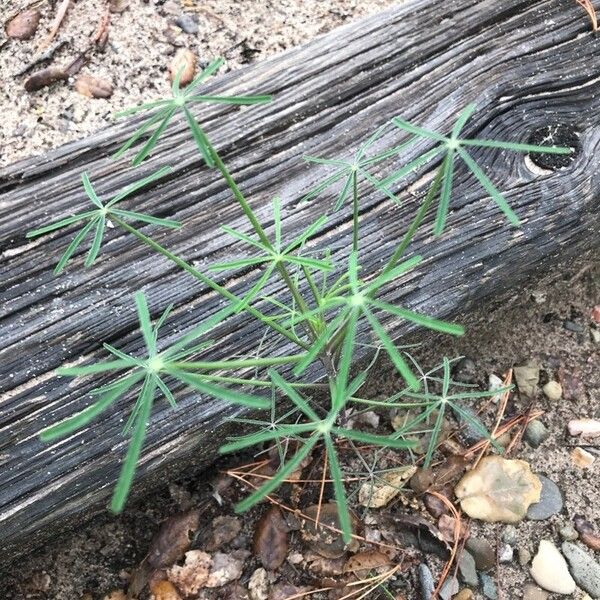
528 64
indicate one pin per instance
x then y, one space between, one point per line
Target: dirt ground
142 41
529 326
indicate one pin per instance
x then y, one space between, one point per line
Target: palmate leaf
273 256
352 170
148 370
180 102
454 147
96 219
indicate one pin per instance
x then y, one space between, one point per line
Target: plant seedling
98 217
180 102
455 147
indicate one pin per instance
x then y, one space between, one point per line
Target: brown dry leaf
270 542
24 25
447 527
324 567
167 547
164 590
184 61
193 575
326 538
363 562
283 591
93 87
173 539
498 490
378 493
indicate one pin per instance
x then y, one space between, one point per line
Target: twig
591 11
454 550
60 15
42 57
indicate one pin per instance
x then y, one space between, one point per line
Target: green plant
330 310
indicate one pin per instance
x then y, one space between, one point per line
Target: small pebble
426 583
572 326
549 569
464 594
505 553
536 433
533 592
495 383
510 535
527 378
488 586
483 553
568 533
595 335
551 501
468 570
553 390
524 556
582 458
465 370
586 428
584 568
449 588
187 23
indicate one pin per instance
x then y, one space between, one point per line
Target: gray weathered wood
526 63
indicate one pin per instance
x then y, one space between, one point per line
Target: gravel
142 41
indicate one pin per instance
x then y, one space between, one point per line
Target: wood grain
528 64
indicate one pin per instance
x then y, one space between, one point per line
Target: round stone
551 501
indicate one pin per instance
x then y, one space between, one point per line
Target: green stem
207 281
408 236
238 364
355 212
237 194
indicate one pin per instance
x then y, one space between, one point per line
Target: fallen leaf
164 590
323 539
270 541
193 574
24 25
283 591
185 62
498 490
447 527
380 492
167 547
324 567
363 562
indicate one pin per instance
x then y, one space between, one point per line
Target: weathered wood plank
526 63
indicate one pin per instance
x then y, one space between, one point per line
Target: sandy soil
142 41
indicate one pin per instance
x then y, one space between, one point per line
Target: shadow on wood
529 65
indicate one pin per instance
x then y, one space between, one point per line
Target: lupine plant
331 311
